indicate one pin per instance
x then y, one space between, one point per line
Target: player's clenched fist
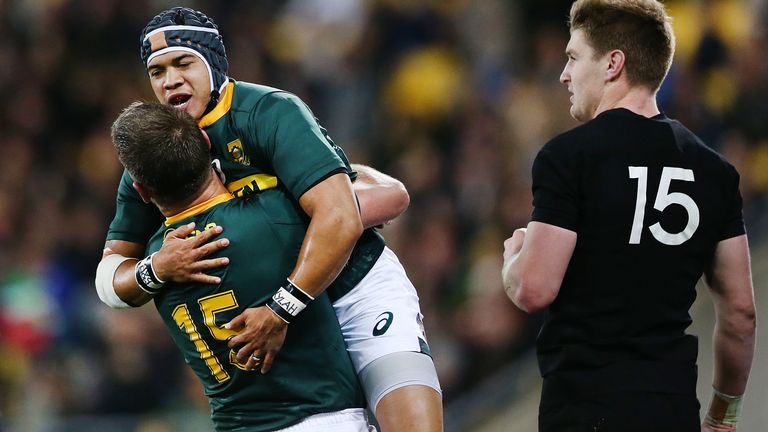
513 244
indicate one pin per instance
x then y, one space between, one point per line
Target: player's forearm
522 293
116 282
734 342
329 241
126 286
535 261
734 347
381 197
730 282
333 229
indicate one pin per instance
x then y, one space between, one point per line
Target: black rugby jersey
649 203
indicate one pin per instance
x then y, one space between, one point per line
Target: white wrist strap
724 409
105 275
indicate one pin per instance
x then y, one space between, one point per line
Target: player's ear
143 192
207 139
615 65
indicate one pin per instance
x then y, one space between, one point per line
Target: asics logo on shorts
383 322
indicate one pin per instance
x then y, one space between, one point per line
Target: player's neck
213 187
639 100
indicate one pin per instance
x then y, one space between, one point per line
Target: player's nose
173 78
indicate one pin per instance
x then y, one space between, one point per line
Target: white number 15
663 199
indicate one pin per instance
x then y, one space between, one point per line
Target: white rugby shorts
381 314
348 420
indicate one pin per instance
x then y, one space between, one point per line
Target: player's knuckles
178 233
204 251
206 236
214 245
201 238
243 356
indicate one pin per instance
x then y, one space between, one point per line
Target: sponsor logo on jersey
235 149
251 184
193 233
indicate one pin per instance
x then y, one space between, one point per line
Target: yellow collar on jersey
199 208
221 108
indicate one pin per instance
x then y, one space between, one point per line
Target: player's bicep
334 192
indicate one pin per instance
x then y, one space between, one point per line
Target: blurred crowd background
453 97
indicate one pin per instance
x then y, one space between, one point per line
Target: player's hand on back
262 334
183 258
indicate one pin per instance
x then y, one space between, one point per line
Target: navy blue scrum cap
185 29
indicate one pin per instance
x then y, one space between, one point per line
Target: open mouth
179 100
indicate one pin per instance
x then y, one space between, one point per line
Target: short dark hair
163 149
639 28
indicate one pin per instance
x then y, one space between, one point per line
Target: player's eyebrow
175 61
181 58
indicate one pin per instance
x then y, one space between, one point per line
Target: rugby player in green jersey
313 387
263 138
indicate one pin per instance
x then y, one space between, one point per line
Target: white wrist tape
105 275
724 409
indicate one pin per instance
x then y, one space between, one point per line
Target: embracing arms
381 197
179 260
335 226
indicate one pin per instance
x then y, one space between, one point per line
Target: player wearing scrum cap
313 387
263 138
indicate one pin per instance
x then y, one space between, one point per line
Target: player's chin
575 113
194 108
579 114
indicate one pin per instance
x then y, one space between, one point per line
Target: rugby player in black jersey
630 209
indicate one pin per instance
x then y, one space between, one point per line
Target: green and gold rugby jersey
312 372
261 138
